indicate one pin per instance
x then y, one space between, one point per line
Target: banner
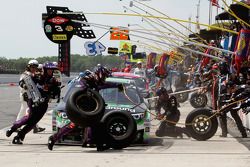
125 47
151 60
242 48
162 70
119 33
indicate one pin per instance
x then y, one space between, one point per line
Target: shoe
17 140
244 135
38 129
223 135
100 148
51 143
9 132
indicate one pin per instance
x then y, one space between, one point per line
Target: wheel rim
117 127
181 97
201 124
199 100
87 103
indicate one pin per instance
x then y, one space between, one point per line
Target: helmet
49 65
40 66
86 74
139 62
102 73
161 91
156 67
55 63
33 63
224 68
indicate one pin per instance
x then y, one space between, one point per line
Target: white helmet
33 62
55 63
156 67
40 66
139 62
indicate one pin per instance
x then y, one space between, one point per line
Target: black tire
120 128
199 127
85 107
198 100
182 97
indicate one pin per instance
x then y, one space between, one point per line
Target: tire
124 122
198 100
182 97
85 107
201 130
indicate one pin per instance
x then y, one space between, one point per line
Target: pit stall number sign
94 48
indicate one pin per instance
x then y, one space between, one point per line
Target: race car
129 100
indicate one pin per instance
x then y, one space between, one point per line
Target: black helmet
161 91
102 73
224 68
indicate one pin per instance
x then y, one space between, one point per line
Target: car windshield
140 82
112 95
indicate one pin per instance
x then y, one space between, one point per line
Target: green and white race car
128 100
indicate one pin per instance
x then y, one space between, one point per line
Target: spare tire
181 97
198 100
120 128
201 125
85 107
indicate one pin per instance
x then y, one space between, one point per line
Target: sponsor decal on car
119 108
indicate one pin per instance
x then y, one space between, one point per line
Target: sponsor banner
58 28
119 33
125 47
112 50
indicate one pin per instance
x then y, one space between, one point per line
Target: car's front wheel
120 128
